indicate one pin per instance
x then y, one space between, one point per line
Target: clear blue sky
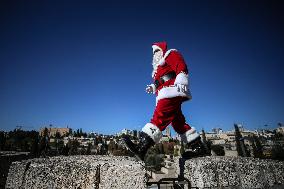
86 63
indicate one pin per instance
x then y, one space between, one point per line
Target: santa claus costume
171 86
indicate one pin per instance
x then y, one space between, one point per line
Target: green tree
35 147
218 149
176 152
171 148
73 147
154 160
81 132
203 136
65 150
257 147
25 145
241 149
88 152
78 133
57 138
44 143
83 150
206 143
162 148
182 148
111 146
278 152
85 135
2 140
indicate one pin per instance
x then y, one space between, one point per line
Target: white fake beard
155 66
155 62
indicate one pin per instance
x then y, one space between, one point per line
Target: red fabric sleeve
177 63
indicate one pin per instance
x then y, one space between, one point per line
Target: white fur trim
153 131
163 60
173 91
182 78
189 135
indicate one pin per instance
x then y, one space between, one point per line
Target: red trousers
168 111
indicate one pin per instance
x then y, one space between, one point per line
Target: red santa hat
160 46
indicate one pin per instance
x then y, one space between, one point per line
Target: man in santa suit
170 84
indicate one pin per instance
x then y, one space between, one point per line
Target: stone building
52 131
280 130
83 141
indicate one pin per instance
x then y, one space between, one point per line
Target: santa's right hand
149 89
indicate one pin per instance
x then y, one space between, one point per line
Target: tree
73 147
176 152
182 148
277 152
203 136
57 137
83 150
162 149
239 142
85 135
25 145
135 134
218 149
65 150
81 132
206 143
35 148
257 147
2 140
111 146
154 160
88 152
170 148
278 136
44 143
78 133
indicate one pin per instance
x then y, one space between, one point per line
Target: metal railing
173 183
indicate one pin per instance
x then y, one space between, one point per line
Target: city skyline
86 64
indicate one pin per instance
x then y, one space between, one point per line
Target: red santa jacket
172 63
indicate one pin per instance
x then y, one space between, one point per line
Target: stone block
233 172
77 172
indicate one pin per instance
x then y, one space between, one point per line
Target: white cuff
181 78
189 135
153 131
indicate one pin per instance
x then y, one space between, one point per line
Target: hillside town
56 141
50 140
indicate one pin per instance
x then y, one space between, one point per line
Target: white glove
150 88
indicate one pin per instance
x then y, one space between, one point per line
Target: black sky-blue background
86 63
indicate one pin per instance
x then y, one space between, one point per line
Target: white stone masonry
96 172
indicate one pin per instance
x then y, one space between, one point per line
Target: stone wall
233 172
125 172
6 159
77 172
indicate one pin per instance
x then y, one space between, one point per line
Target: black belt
164 78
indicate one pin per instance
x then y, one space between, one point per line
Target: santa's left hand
150 89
